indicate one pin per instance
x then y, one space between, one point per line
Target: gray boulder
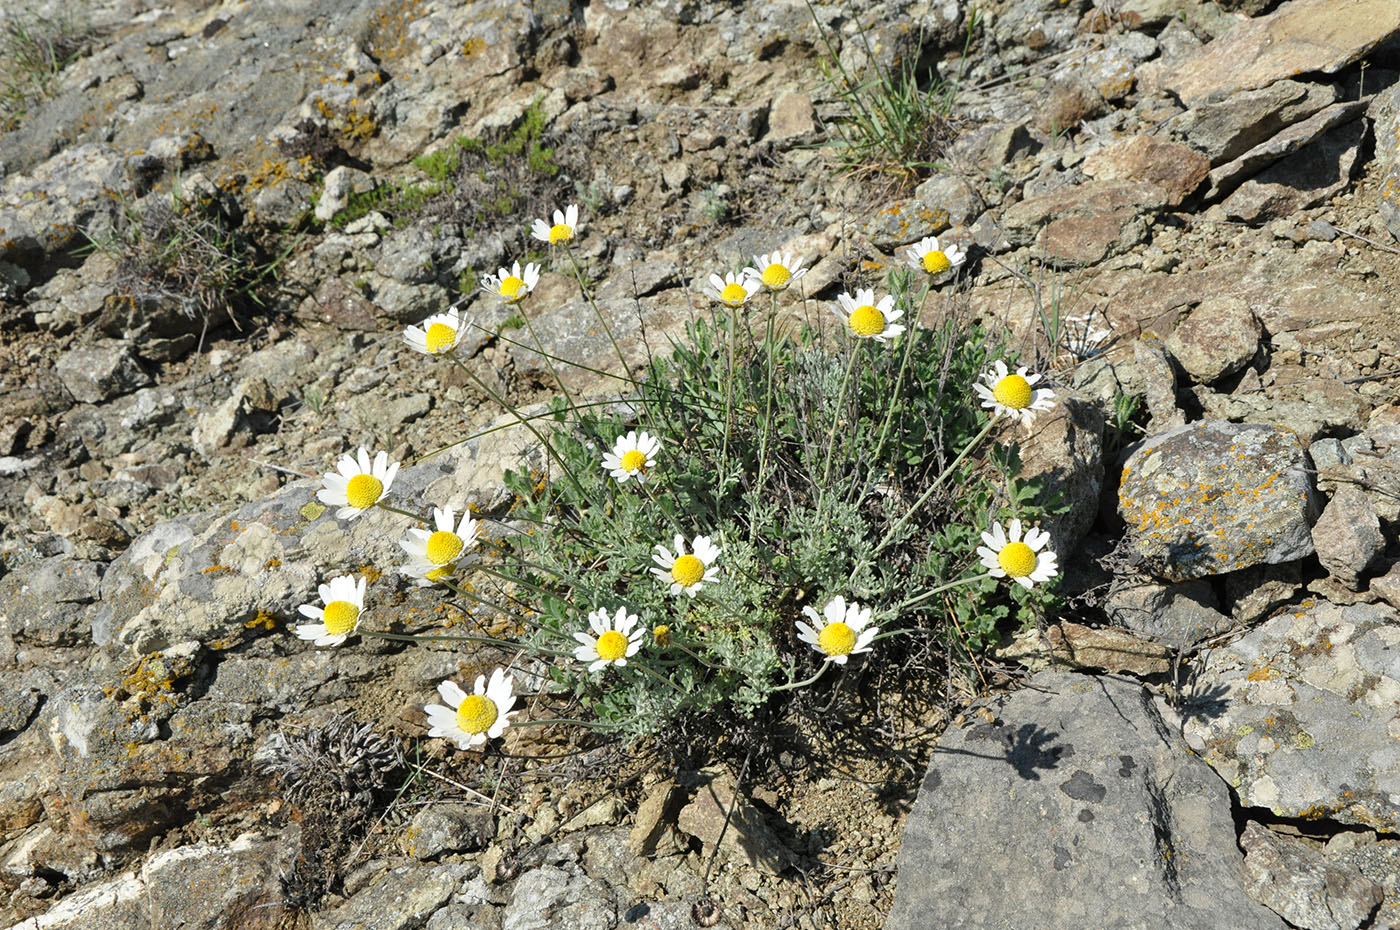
1068 805
1304 715
1298 882
1214 497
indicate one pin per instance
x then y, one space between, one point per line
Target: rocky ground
1186 212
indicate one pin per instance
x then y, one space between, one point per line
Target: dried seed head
705 912
341 763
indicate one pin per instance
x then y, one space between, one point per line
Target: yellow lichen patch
262 620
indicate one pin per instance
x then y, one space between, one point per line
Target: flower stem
461 638
523 421
392 509
793 685
757 491
831 436
925 595
937 483
583 289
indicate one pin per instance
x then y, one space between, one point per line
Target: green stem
548 447
899 378
831 435
659 677
392 509
461 638
547 415
937 483
728 406
793 685
920 598
549 721
548 359
583 289
757 491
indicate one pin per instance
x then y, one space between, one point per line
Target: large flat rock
1299 37
1072 805
1300 715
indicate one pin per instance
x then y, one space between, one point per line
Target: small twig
288 471
1376 377
472 791
1371 242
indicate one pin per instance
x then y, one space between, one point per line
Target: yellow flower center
443 547
440 337
339 617
837 639
1013 391
1016 559
633 461
734 294
560 232
776 276
363 491
612 646
439 574
662 634
510 287
687 571
867 321
936 262
476 713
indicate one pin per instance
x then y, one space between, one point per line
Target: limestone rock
400 898
1065 805
1225 129
1286 142
1176 614
554 896
1109 649
1300 36
1306 721
901 222
196 887
1310 176
441 828
1083 224
1348 536
747 839
98 372
1384 112
1173 167
1215 497
1299 884
1217 338
1065 452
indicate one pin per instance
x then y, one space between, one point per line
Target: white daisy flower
511 284
867 319
842 629
932 259
471 719
431 554
438 334
565 227
632 456
614 640
345 601
685 571
776 272
1012 395
733 289
358 486
1024 562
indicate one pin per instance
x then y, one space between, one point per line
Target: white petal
452 694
